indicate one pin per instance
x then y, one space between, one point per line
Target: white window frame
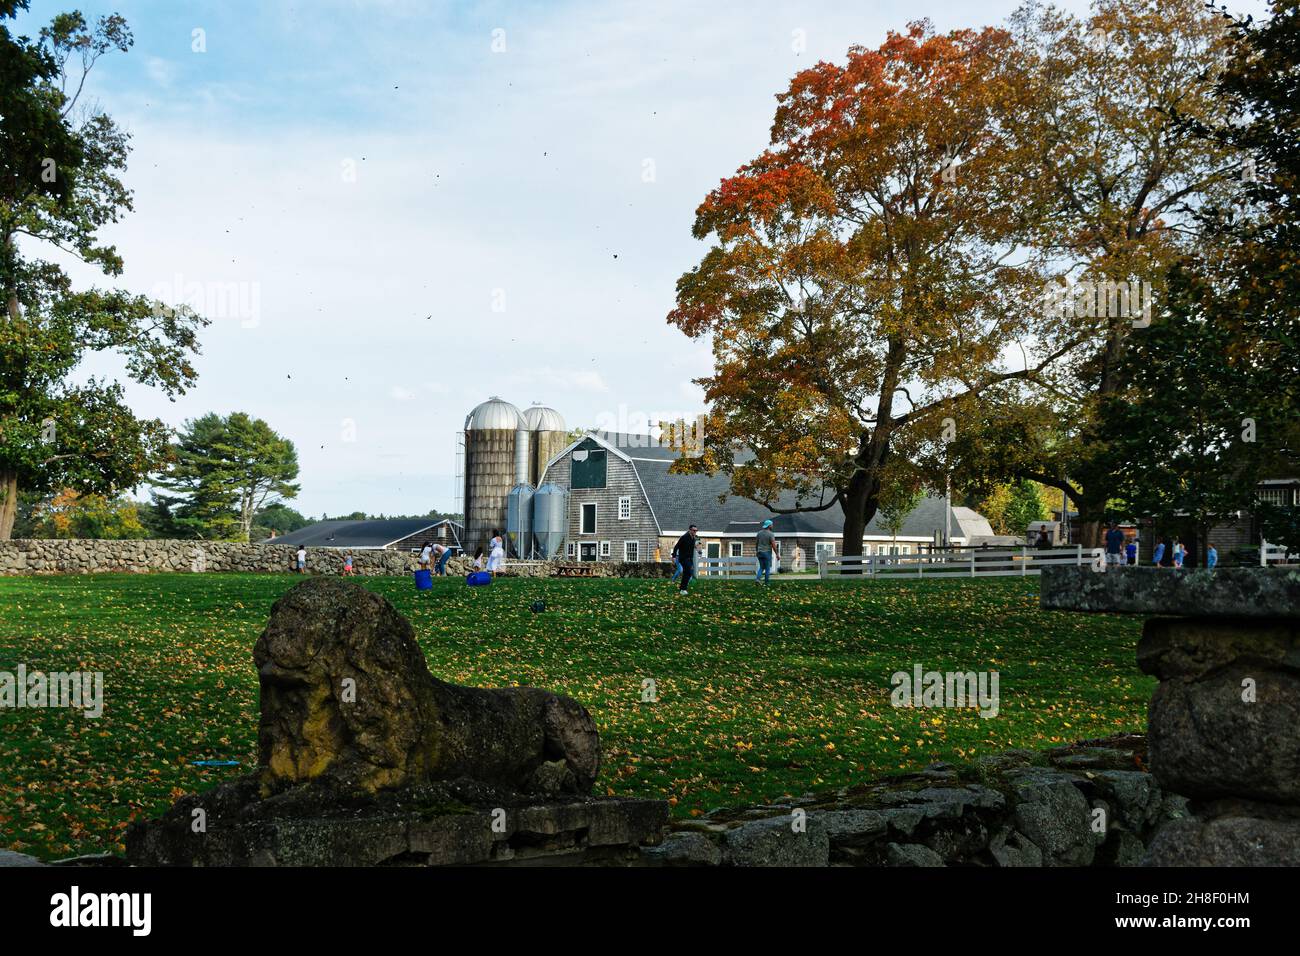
635 547
605 549
824 547
736 549
595 516
624 507
570 549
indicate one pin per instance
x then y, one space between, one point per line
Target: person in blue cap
765 545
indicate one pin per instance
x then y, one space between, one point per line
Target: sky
394 209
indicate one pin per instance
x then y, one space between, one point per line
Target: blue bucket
424 580
478 578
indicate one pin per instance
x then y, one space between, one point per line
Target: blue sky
416 220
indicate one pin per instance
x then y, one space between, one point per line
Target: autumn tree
72 515
1211 402
867 272
1119 176
60 163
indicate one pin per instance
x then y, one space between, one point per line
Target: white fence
728 568
1275 554
974 564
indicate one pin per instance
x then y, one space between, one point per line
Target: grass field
761 692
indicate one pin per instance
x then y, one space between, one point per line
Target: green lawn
762 692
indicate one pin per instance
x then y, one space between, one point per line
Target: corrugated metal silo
550 519
519 520
490 440
550 436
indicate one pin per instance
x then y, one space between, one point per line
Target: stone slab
1193 592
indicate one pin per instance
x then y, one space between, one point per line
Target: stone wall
88 556
92 556
1089 804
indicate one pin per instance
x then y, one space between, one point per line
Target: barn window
624 507
604 549
631 550
568 550
737 549
588 525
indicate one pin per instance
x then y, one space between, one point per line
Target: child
478 560
347 566
1211 557
302 560
1158 554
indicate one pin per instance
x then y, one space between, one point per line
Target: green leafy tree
277 517
1180 441
1024 504
158 516
60 160
901 493
227 469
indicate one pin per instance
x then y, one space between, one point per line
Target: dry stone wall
94 556
87 556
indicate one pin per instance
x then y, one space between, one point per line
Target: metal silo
490 464
550 436
519 520
550 519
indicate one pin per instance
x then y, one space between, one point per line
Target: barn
624 504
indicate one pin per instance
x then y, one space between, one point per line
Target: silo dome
540 418
495 414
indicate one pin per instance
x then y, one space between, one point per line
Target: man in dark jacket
684 552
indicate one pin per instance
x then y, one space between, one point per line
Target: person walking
347 566
1158 554
684 554
1180 553
764 545
1131 552
1211 557
302 559
496 553
1114 546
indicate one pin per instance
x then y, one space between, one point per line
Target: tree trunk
859 501
1092 512
8 503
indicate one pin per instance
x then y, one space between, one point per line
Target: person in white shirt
425 555
302 560
497 553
